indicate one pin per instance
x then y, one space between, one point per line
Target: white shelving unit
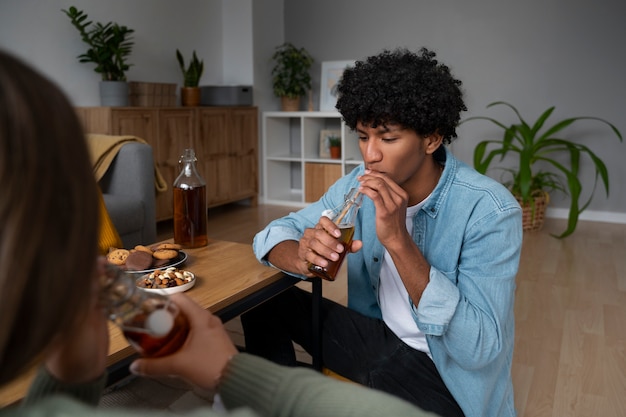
291 143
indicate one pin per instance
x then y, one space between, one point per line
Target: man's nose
371 152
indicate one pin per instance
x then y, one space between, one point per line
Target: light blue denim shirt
470 231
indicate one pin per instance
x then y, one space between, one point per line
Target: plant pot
190 96
113 93
290 104
534 211
335 152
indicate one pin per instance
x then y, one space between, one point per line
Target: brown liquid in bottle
156 346
190 226
150 321
330 272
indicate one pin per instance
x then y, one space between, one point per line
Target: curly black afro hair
399 86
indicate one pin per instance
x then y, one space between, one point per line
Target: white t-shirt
394 298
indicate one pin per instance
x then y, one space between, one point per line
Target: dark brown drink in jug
190 226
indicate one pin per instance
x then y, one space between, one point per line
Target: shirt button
375 259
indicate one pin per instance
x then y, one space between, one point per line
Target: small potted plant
290 76
190 91
531 144
334 143
109 47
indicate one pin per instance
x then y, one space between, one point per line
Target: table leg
316 353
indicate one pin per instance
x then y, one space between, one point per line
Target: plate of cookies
145 259
167 281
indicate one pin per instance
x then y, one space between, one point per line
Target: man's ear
433 141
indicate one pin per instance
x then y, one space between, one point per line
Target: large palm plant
532 144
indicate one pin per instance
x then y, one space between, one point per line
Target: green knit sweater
252 387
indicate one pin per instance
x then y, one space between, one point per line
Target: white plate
170 290
179 260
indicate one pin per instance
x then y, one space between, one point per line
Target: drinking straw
346 208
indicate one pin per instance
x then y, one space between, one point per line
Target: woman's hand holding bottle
204 355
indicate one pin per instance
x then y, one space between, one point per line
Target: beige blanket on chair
104 148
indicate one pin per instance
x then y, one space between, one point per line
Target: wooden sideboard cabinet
225 140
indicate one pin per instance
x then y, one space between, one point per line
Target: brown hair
48 216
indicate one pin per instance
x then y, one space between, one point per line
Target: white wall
237 43
268 22
534 54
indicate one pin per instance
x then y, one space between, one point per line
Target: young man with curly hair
431 273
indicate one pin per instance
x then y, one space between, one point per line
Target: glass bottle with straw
344 217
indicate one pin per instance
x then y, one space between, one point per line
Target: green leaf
539 123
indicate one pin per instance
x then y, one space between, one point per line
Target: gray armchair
129 194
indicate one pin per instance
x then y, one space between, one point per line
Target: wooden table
229 281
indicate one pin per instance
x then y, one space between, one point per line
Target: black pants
357 347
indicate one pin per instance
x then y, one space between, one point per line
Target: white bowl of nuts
167 281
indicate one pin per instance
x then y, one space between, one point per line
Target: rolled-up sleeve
437 305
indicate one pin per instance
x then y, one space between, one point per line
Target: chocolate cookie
138 261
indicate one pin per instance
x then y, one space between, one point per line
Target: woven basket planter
533 212
290 104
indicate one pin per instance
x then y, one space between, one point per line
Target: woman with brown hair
50 316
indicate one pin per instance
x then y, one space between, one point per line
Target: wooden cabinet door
317 178
214 146
136 122
176 130
213 137
227 148
244 160
244 130
244 170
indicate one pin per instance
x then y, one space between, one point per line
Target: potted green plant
290 75
531 145
190 91
109 47
334 144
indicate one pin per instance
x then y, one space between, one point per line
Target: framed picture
331 73
325 142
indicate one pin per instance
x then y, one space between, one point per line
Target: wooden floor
570 347
570 343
